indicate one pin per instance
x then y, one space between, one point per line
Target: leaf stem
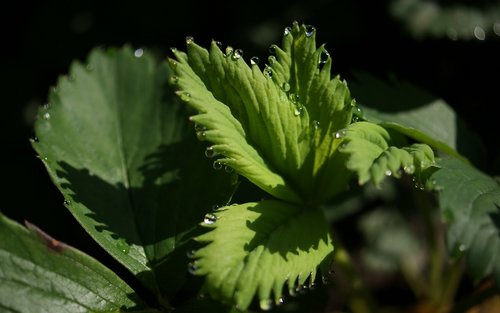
359 300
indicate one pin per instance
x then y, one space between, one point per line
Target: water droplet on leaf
138 53
265 304
192 268
122 245
174 79
217 165
209 219
285 87
210 152
228 169
340 134
190 254
287 31
238 53
310 30
185 96
46 116
189 40
388 173
323 57
268 72
254 60
272 49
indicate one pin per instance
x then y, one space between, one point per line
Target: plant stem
360 300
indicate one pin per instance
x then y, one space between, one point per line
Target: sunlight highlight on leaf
275 126
271 243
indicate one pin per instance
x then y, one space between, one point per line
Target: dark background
41 38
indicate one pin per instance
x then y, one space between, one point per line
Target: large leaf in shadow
400 105
470 204
41 274
118 147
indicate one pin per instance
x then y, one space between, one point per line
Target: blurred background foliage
449 48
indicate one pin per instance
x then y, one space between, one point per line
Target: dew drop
218 44
325 280
45 159
310 30
316 125
254 60
462 247
238 53
287 31
185 96
294 98
355 119
199 128
209 219
388 173
66 202
173 49
285 87
228 169
174 80
217 165
279 301
139 53
268 72
192 268
410 169
265 304
229 51
272 49
46 116
340 134
210 152
191 254
271 59
172 62
215 207
34 139
323 57
201 135
122 245
312 286
298 110
189 40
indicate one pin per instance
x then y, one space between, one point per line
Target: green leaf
470 205
274 126
117 145
41 274
372 155
399 105
255 248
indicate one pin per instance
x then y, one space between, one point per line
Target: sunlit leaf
275 126
257 248
373 153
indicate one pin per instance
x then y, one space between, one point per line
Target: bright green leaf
255 248
373 157
470 204
41 274
118 146
274 126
